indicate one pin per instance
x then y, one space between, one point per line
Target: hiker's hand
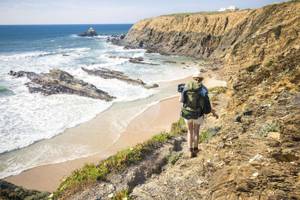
215 114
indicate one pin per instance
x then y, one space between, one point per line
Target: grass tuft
121 195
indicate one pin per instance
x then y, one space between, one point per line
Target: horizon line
66 24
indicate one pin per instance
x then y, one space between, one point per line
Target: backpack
196 101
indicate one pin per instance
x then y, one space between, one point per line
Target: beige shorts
198 121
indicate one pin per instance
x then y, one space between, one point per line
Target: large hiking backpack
196 101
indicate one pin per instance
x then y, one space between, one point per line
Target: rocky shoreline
60 82
113 74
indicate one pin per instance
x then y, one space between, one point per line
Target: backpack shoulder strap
203 91
193 85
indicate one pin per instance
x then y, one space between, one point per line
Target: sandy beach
153 120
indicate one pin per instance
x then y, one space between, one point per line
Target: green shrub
207 134
173 158
218 90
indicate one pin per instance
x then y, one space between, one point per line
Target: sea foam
28 118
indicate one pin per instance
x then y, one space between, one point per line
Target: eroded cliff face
243 36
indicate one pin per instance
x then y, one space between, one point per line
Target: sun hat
198 75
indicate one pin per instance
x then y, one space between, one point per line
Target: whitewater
28 118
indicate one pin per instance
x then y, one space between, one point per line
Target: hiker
196 104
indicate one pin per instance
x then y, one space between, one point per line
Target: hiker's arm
213 111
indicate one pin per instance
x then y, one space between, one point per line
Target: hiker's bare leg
196 135
190 134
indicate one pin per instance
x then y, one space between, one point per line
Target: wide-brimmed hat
198 75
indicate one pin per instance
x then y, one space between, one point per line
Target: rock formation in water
140 60
137 60
113 74
89 33
61 82
115 38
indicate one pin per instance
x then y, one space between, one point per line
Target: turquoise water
17 38
28 118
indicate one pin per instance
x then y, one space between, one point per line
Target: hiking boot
193 154
196 150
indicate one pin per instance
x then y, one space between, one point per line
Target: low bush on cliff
218 90
207 134
91 173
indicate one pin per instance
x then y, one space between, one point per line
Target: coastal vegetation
117 163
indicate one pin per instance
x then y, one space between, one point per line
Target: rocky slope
255 155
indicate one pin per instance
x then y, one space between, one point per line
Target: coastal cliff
233 37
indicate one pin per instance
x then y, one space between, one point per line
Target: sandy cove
153 120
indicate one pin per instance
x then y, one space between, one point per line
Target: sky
107 11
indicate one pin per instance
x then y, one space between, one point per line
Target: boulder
113 74
89 33
61 82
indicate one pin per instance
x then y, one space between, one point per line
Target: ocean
28 118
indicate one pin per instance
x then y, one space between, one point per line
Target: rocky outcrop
140 60
115 39
10 191
61 82
89 33
240 36
137 60
113 74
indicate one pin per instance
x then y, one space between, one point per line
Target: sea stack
89 33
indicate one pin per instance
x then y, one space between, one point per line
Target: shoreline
47 177
87 138
155 118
